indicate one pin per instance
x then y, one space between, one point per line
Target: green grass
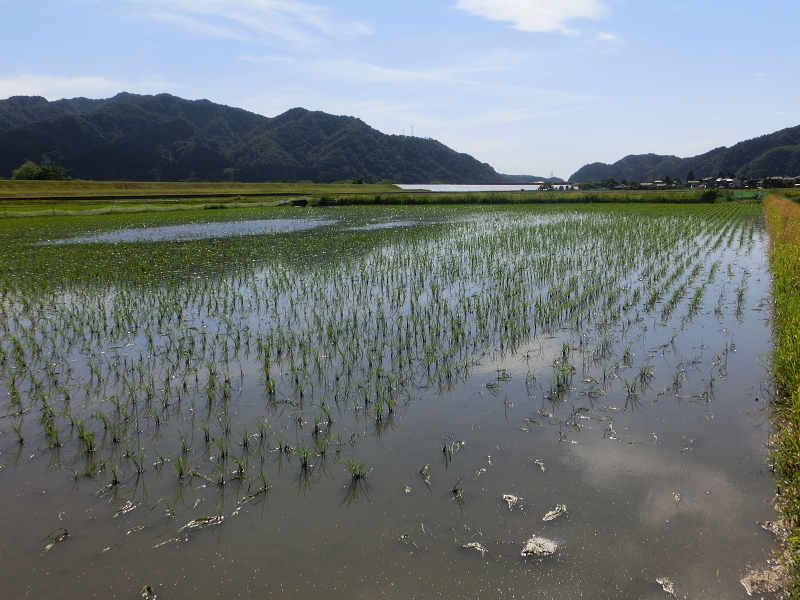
64 198
783 223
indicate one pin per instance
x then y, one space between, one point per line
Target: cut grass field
51 198
783 224
12 189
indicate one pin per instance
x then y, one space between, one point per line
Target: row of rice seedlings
410 317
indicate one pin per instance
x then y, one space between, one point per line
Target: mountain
163 137
776 154
21 110
530 179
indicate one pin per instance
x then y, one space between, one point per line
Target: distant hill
145 138
530 179
776 154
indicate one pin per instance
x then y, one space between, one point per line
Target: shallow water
198 231
487 351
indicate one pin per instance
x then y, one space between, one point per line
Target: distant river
468 188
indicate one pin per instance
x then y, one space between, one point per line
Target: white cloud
252 19
54 88
607 37
535 15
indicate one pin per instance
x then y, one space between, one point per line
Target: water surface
611 360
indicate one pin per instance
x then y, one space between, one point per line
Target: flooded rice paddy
436 402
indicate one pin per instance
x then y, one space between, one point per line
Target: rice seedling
241 469
185 447
458 493
181 466
18 433
356 469
132 354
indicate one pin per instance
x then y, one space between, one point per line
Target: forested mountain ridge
168 138
776 154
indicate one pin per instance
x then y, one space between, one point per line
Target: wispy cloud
365 72
438 90
54 88
523 114
257 20
535 15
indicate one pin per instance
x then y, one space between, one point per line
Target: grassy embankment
783 223
50 198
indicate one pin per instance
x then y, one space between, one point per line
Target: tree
709 196
609 182
29 170
690 176
668 180
51 173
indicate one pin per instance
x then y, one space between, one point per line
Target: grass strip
783 225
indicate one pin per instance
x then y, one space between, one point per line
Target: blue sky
529 86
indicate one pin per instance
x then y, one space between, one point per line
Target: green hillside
777 154
145 138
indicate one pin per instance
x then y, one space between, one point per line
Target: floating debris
56 540
767 581
408 490
676 497
512 500
539 546
667 585
475 546
175 540
426 474
135 529
540 464
201 523
147 593
408 540
126 508
559 510
777 527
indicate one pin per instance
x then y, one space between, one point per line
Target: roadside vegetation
783 223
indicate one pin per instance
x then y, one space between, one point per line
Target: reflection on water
350 427
199 231
387 225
